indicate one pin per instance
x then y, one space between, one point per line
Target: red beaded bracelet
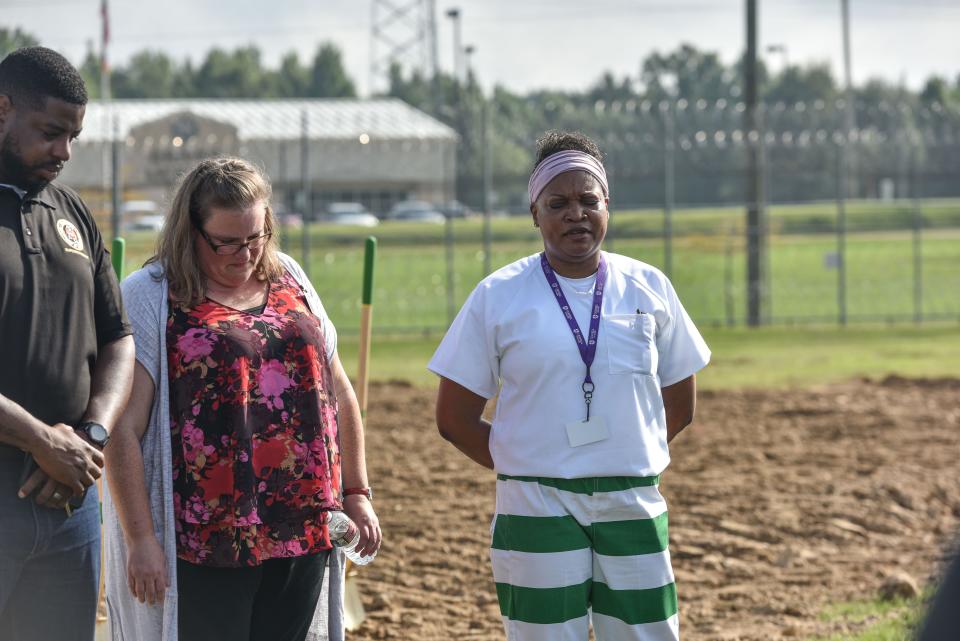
365 491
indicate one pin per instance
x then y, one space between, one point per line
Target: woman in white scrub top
592 359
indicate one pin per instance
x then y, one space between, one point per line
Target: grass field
411 292
803 347
897 620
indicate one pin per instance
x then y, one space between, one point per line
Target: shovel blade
353 612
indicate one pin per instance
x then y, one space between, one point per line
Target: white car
141 215
350 214
416 211
358 220
150 222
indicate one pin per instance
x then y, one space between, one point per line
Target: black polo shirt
59 302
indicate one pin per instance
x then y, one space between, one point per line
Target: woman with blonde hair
240 427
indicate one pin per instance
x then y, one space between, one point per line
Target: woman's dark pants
274 601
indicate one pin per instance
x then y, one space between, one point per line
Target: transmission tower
402 32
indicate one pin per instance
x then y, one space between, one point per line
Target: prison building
375 152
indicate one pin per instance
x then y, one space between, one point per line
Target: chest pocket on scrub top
631 343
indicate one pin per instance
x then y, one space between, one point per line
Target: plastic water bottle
345 534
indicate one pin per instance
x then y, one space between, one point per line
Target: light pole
669 83
782 50
468 120
472 139
487 165
454 15
468 51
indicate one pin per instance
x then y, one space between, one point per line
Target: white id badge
583 432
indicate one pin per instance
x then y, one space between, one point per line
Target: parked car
141 215
358 220
350 214
151 222
290 220
456 209
415 211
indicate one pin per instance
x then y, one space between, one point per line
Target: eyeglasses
228 249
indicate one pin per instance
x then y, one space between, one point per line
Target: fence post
753 124
281 179
116 181
307 214
487 185
842 230
917 241
448 242
668 183
728 278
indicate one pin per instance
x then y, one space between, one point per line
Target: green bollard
116 256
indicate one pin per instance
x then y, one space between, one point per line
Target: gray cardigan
145 298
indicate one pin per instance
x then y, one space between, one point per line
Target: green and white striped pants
568 551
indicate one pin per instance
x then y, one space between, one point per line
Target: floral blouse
253 423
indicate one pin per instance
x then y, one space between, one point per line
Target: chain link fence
902 259
883 248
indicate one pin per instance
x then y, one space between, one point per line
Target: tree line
221 74
900 132
626 115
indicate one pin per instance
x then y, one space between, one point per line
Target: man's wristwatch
95 433
365 491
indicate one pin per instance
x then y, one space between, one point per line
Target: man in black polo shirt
66 359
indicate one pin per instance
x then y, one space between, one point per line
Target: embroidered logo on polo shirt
71 236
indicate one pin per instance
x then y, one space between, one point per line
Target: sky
521 44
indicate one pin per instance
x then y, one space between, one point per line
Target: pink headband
558 163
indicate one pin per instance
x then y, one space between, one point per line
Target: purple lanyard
588 347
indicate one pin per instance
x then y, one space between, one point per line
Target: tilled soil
781 502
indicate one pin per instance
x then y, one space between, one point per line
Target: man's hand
66 458
52 494
360 511
147 569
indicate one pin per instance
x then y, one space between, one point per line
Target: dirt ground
780 503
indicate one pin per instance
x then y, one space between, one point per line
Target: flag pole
108 131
